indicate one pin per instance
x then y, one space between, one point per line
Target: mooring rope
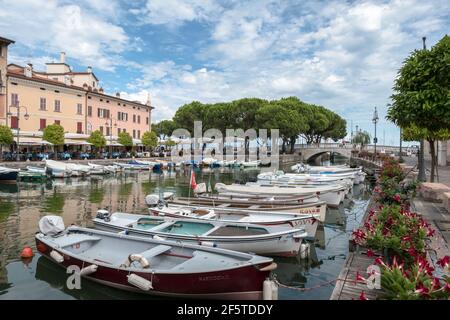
307 289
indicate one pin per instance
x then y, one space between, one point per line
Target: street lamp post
26 117
400 158
375 120
110 134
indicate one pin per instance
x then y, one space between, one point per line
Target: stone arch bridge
306 152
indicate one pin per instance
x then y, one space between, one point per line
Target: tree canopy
290 115
362 138
420 102
125 139
163 128
54 133
149 139
6 135
422 89
97 139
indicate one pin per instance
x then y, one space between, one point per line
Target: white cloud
52 26
175 12
339 54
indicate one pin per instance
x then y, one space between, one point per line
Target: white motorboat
267 240
57 169
333 171
250 164
36 169
78 169
240 216
293 206
8 174
226 163
97 168
333 195
280 178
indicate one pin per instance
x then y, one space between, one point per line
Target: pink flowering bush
413 283
396 231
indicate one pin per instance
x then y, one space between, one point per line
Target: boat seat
155 251
255 206
75 238
209 215
223 205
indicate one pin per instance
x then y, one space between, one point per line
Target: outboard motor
152 200
104 215
51 225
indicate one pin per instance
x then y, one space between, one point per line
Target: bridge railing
336 145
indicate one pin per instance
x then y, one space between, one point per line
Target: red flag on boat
193 184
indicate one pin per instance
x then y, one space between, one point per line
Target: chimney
67 80
89 69
28 70
118 94
149 103
62 57
100 90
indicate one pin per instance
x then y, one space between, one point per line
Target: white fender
304 250
88 270
267 289
139 282
208 244
56 256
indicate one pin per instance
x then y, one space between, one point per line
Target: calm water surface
77 200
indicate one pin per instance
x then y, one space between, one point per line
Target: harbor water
77 200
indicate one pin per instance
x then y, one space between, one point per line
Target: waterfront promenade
357 262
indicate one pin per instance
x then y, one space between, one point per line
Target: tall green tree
125 139
318 122
54 134
187 114
6 138
362 138
421 93
164 128
97 140
149 139
302 126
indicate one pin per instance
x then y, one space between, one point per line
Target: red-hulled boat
152 266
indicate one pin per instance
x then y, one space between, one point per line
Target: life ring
137 257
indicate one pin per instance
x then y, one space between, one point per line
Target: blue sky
340 54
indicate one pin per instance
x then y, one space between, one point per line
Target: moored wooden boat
8 175
239 216
157 267
57 169
280 178
333 195
267 240
288 207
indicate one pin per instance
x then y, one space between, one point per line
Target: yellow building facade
32 99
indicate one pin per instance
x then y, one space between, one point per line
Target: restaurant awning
76 142
113 143
137 142
30 141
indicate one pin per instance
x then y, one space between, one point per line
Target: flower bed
401 236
